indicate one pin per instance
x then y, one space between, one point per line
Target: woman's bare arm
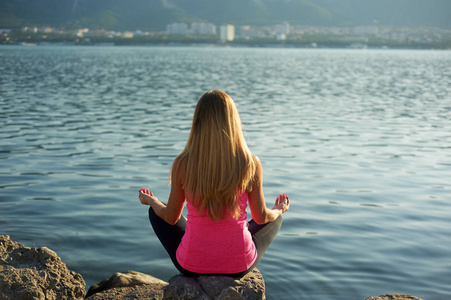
260 213
171 212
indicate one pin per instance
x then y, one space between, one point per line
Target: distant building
227 33
398 36
128 35
46 29
177 28
281 36
248 32
30 29
366 30
101 32
141 33
81 32
203 29
283 28
112 34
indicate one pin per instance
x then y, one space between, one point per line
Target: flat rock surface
36 273
126 279
154 291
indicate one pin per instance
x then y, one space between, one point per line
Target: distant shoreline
229 45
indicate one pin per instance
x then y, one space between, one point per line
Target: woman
216 175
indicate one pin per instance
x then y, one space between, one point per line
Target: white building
203 29
30 29
81 32
177 28
227 33
140 33
128 35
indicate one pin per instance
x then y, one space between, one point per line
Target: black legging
171 236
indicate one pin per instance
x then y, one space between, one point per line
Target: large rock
36 273
133 285
127 280
394 297
249 287
141 292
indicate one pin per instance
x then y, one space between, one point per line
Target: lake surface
359 140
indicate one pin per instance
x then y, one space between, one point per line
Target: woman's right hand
145 196
282 203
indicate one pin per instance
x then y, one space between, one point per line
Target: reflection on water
360 141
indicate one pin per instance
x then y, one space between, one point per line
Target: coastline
235 45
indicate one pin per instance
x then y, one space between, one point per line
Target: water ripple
358 139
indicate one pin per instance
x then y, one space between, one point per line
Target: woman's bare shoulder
179 168
258 166
257 174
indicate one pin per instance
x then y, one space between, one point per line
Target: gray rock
186 288
394 297
145 291
35 273
249 287
125 279
214 285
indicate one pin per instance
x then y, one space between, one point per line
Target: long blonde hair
218 162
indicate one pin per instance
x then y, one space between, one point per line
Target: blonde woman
217 176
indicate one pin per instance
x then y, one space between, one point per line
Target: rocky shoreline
38 273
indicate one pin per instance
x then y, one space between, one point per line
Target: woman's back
216 159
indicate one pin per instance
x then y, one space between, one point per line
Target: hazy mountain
156 14
391 12
108 14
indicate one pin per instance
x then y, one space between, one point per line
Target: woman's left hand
282 203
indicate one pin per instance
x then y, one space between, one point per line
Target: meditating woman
217 175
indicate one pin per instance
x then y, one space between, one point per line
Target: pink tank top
221 247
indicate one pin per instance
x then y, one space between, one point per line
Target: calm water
359 140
